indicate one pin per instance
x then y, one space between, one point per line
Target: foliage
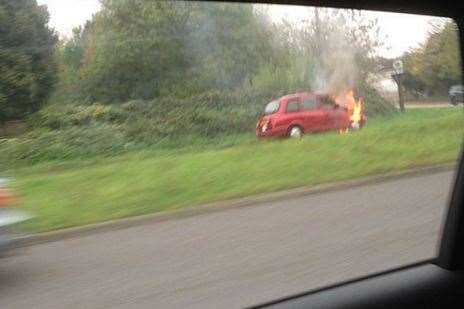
435 65
156 73
163 48
63 193
27 63
64 131
182 49
374 103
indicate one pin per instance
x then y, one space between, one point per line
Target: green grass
71 193
440 97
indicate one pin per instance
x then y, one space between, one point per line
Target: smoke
336 69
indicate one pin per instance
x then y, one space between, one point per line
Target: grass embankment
70 193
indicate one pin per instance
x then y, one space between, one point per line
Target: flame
354 107
356 115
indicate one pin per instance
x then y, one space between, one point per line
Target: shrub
375 104
72 142
73 131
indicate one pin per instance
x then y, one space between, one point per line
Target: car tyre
295 132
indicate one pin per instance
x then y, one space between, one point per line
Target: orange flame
354 107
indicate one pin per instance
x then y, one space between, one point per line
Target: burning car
307 112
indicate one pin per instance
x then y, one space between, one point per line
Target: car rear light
266 125
269 124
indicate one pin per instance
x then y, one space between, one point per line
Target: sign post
398 77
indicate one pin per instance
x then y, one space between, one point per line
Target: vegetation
185 49
187 70
27 63
74 192
138 111
70 131
435 65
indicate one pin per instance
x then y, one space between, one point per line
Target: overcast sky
402 31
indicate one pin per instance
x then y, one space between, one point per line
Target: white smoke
336 69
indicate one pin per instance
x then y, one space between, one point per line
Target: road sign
398 66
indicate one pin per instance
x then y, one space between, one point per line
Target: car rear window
271 107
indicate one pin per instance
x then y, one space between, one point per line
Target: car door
331 115
292 115
336 117
339 117
315 118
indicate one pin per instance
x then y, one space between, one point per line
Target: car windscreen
271 107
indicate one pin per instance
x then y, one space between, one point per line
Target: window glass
271 107
293 106
309 104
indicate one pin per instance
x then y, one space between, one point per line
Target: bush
72 142
73 131
374 103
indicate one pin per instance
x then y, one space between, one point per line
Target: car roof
299 94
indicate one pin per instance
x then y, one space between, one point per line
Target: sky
401 31
67 14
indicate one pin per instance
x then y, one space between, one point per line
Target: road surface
237 257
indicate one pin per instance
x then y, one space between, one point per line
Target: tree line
435 65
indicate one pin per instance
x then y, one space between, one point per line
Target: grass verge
72 193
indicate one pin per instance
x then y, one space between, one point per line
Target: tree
332 50
27 59
146 49
435 65
228 44
134 50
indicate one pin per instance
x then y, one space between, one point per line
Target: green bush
71 142
80 130
374 103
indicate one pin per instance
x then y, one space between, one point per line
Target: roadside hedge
63 131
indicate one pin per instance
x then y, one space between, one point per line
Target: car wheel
295 132
453 100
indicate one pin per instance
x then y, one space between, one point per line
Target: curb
118 224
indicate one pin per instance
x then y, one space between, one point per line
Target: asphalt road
237 257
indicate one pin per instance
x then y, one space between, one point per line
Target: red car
306 112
